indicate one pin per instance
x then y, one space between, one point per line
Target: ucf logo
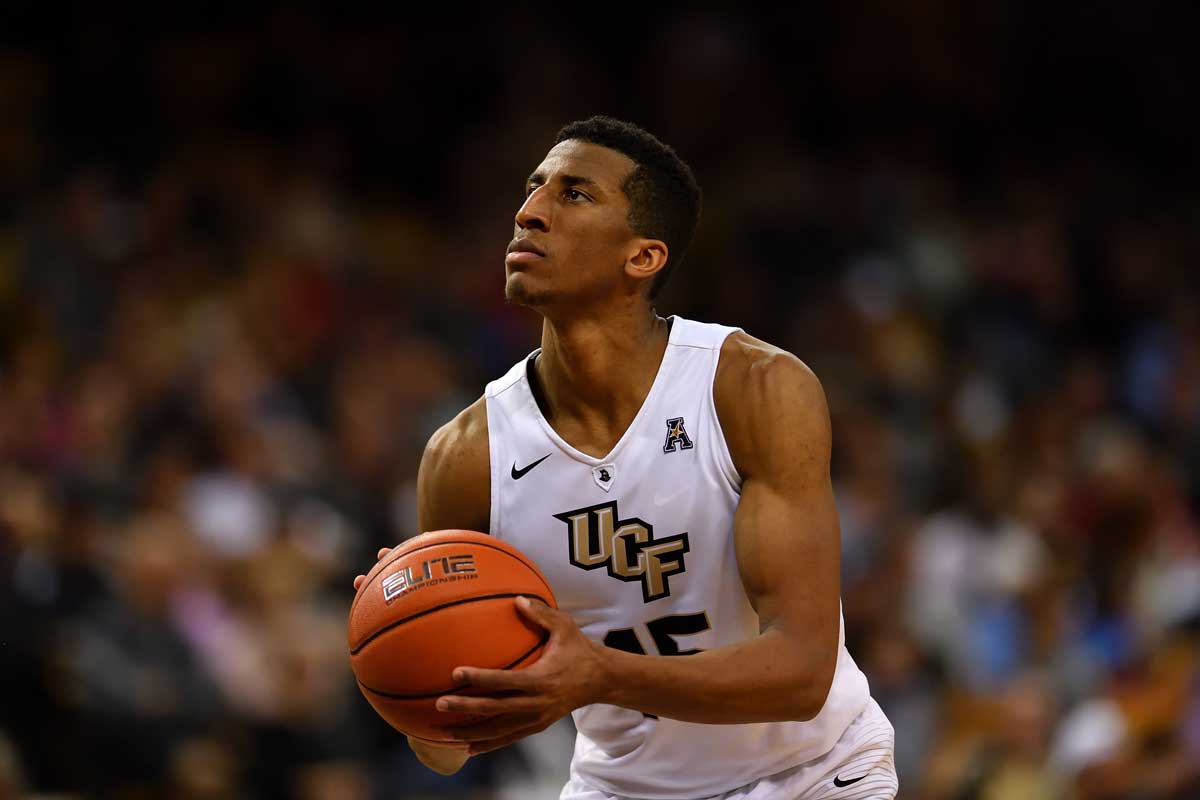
625 547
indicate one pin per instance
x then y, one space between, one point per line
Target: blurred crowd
245 273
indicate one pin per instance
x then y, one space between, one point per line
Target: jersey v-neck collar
647 402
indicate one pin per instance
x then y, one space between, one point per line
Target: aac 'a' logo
676 436
625 547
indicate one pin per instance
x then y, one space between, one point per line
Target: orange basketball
438 601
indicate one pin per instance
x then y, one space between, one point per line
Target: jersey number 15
663 631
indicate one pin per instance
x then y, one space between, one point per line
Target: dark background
251 256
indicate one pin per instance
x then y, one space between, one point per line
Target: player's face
572 236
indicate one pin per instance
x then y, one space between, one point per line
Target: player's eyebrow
537 179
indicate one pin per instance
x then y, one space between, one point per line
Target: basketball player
671 479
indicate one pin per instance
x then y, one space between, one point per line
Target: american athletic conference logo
625 547
677 437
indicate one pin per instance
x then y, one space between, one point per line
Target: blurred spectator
126 667
971 567
1092 750
12 785
907 687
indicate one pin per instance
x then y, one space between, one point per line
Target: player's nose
535 211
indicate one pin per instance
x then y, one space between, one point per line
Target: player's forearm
767 679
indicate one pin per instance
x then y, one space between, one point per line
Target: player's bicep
788 553
786 528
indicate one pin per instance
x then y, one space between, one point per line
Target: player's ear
649 258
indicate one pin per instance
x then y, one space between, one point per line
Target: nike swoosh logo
520 473
837 781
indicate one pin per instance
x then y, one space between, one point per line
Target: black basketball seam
541 643
461 601
365 586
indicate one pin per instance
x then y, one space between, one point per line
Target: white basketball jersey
638 547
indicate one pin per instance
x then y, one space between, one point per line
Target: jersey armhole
496 423
724 457
494 458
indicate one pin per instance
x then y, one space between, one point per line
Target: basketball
439 601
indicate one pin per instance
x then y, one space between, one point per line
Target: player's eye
529 189
575 194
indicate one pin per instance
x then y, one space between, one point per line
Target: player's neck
599 369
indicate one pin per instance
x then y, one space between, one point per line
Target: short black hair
664 197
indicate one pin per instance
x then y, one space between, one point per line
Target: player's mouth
523 251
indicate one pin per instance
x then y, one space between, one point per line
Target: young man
671 479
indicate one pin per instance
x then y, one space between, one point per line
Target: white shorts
859 767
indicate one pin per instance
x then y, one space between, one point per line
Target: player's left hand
523 702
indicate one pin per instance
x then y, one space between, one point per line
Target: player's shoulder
751 369
468 430
767 401
457 452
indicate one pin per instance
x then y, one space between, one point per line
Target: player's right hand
383 551
444 758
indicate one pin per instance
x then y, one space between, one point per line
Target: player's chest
624 534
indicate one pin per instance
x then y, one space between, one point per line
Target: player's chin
519 290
